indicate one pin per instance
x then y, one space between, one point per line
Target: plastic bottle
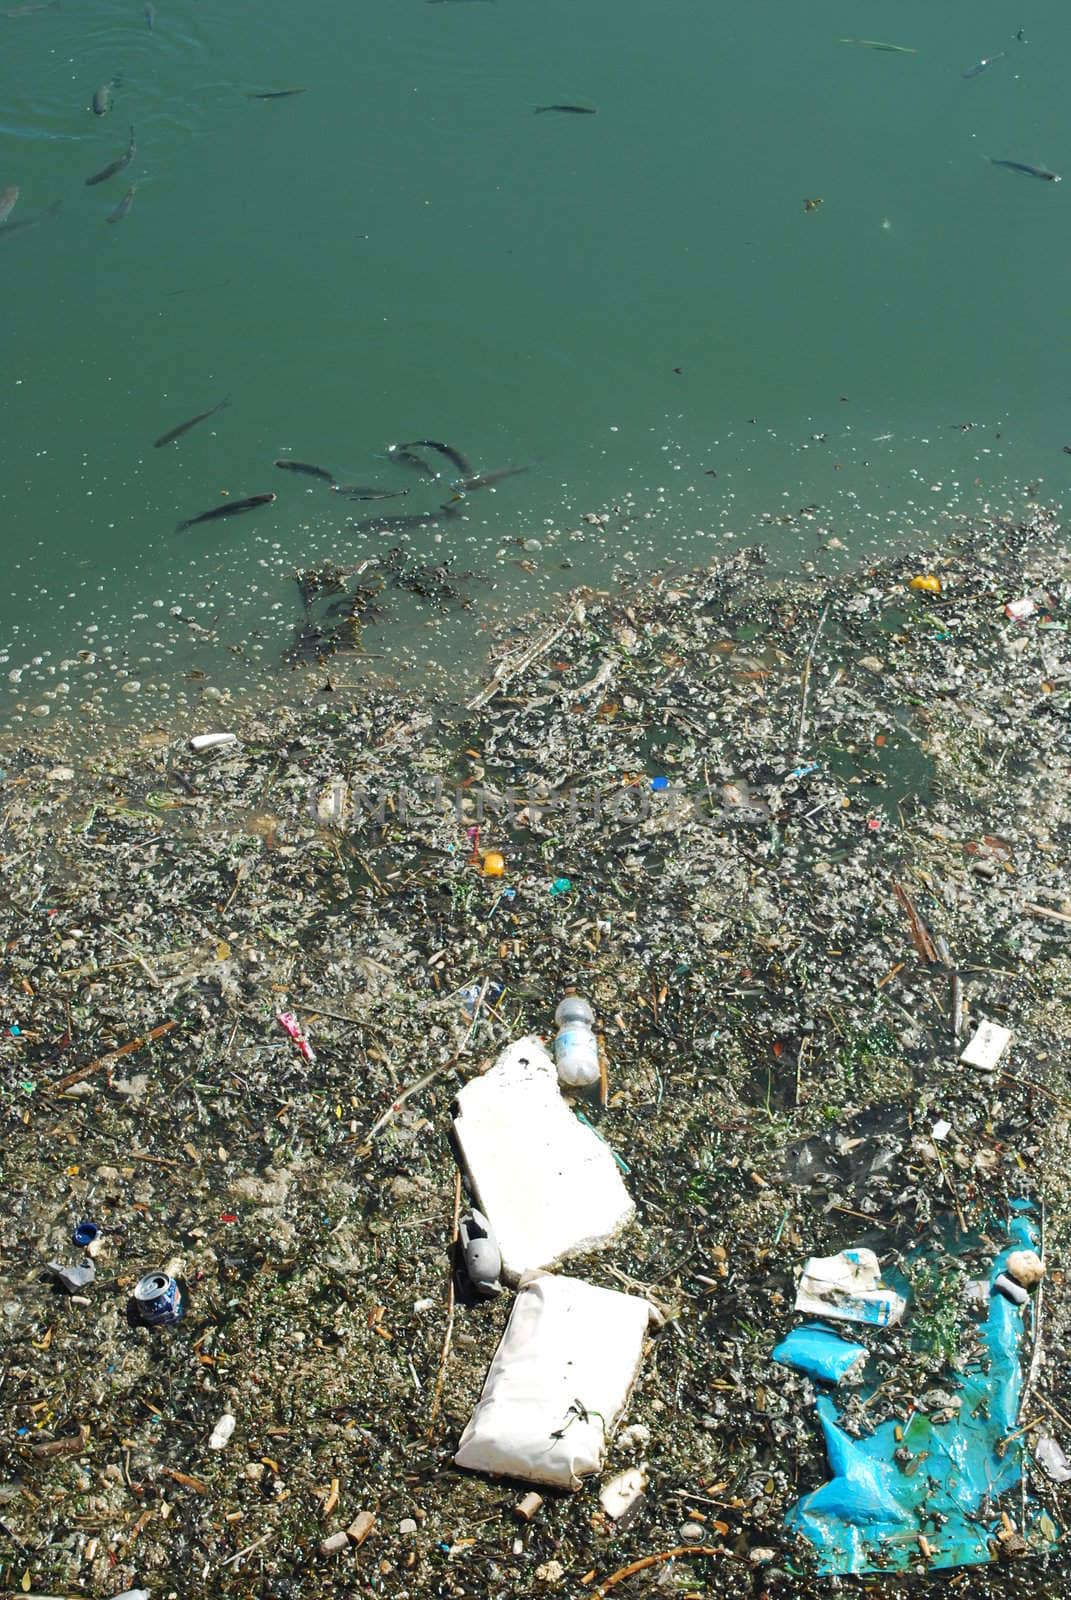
576 1050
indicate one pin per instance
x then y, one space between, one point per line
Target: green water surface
405 250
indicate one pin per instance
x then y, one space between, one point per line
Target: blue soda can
158 1299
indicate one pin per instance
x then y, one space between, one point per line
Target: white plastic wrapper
548 1185
848 1287
558 1384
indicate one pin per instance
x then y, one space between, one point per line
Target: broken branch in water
87 1071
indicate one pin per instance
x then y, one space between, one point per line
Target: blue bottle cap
659 784
84 1233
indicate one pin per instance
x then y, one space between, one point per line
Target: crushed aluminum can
158 1299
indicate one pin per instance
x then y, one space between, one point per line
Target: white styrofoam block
548 1185
558 1384
986 1046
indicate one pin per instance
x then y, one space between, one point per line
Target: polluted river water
429 445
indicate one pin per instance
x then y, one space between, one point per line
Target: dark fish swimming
184 427
114 166
230 509
424 519
1027 169
986 61
487 480
274 94
408 458
124 205
150 15
362 491
102 97
8 201
307 468
462 463
31 222
577 111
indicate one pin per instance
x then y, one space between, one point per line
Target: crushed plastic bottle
576 1050
479 1248
221 1433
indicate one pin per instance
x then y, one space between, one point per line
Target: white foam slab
548 1185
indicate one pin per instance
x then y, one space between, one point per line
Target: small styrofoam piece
622 1492
986 1046
547 1184
212 741
559 1381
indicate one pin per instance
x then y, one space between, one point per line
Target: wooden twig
604 1078
449 1334
806 681
137 956
653 1561
1036 1307
513 665
919 932
248 1551
407 1094
1047 912
81 1073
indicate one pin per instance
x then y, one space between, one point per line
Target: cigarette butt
528 1507
361 1527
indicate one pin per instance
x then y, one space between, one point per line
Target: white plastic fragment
986 1046
212 741
547 1184
558 1383
848 1287
940 1130
621 1493
1052 1458
132 1594
221 1433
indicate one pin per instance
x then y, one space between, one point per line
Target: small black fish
360 491
487 480
307 468
114 166
102 97
425 519
274 94
577 111
1027 169
150 15
407 458
462 463
231 509
184 427
986 61
31 222
124 205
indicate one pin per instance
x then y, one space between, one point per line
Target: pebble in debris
692 1533
407 1525
1026 1267
334 1543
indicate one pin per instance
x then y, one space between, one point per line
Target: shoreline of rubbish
794 855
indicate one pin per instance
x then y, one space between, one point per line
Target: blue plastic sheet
947 1482
818 1351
